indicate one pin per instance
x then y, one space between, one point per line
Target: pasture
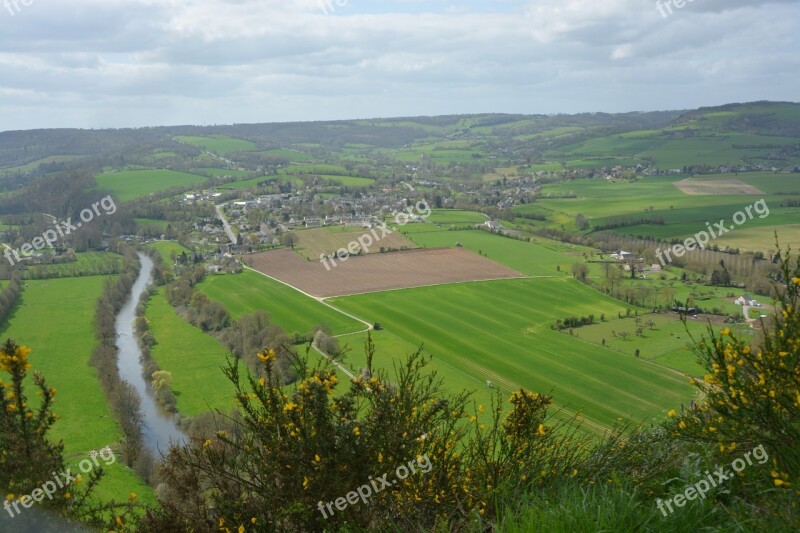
127 185
455 217
250 291
194 358
85 264
541 258
220 144
167 248
54 318
500 331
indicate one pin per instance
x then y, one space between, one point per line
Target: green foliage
753 394
296 448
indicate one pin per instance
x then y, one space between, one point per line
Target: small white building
747 300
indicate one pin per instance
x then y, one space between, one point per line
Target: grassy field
165 248
684 215
455 217
250 291
86 263
44 161
542 258
194 358
500 331
55 319
220 144
129 184
666 343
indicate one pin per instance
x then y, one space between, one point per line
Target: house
655 267
747 300
621 255
493 225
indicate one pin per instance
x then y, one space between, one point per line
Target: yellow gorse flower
266 356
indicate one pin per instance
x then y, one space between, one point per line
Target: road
228 229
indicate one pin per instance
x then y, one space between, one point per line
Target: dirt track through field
379 272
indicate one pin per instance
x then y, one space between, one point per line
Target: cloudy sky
120 63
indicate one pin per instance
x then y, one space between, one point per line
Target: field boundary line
320 300
436 285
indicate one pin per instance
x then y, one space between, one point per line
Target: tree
580 271
289 239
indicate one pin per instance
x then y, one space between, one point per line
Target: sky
137 63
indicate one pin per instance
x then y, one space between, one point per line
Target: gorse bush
752 395
751 398
296 448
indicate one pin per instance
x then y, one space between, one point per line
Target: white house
747 300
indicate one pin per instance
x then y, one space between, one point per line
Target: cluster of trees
622 222
10 294
160 380
573 322
245 336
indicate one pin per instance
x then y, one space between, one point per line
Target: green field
250 291
55 320
456 217
601 201
86 263
541 258
500 331
293 156
194 358
220 144
166 248
44 161
667 343
129 184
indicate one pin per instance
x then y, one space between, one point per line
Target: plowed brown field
379 272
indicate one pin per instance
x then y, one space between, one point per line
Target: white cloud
97 63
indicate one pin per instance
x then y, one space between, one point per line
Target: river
159 429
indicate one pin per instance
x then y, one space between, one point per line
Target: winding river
159 429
